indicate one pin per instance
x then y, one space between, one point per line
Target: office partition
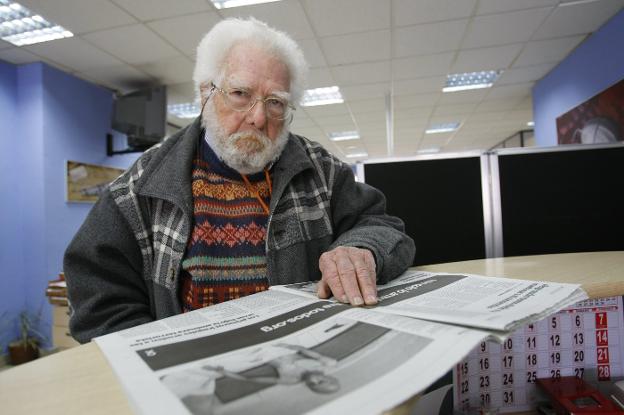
441 202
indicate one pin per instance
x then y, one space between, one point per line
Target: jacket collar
168 174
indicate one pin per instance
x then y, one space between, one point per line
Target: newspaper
499 304
280 352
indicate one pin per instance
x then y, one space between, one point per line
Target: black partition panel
440 202
564 201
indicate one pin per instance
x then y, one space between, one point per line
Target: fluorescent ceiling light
470 80
322 96
429 150
357 155
344 135
531 124
446 127
186 110
226 4
20 27
575 3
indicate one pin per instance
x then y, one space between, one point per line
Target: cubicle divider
506 202
441 201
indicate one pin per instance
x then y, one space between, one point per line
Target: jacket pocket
298 225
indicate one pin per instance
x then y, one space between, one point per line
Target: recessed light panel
21 27
470 80
226 4
344 135
322 96
187 110
446 127
360 154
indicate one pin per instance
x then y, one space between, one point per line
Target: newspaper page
279 353
490 303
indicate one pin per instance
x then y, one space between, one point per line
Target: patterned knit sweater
225 257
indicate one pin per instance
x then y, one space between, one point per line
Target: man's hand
348 273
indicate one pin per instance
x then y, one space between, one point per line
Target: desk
80 381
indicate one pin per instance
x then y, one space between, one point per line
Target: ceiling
383 54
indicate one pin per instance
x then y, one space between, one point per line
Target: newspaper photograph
501 304
279 353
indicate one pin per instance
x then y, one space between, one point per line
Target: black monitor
142 116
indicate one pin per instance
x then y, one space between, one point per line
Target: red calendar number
602 337
602 354
601 320
604 372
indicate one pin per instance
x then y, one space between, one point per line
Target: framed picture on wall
599 120
85 182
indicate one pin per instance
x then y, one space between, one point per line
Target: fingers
349 274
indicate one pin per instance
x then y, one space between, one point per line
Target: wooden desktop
80 381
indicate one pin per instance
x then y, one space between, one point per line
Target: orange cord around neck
252 191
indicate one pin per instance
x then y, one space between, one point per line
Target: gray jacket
123 265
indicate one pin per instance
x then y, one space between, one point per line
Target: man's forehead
249 81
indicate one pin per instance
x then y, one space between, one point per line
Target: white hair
214 49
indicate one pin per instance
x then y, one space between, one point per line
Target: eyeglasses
240 99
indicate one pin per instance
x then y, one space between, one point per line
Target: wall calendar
585 340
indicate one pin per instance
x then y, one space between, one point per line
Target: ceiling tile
422 66
493 58
123 77
498 6
81 16
524 74
368 118
375 104
344 121
419 86
287 16
411 117
495 105
312 52
576 19
158 9
513 90
505 28
355 48
134 44
18 56
485 116
365 91
544 51
455 109
410 12
362 73
413 101
74 53
327 111
185 32
320 77
330 17
428 39
462 97
171 70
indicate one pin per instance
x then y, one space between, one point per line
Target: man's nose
257 114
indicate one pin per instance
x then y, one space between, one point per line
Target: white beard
247 152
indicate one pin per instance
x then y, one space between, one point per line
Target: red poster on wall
598 120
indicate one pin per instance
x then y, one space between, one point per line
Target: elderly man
232 203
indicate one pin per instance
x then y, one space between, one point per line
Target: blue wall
12 285
57 117
595 65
